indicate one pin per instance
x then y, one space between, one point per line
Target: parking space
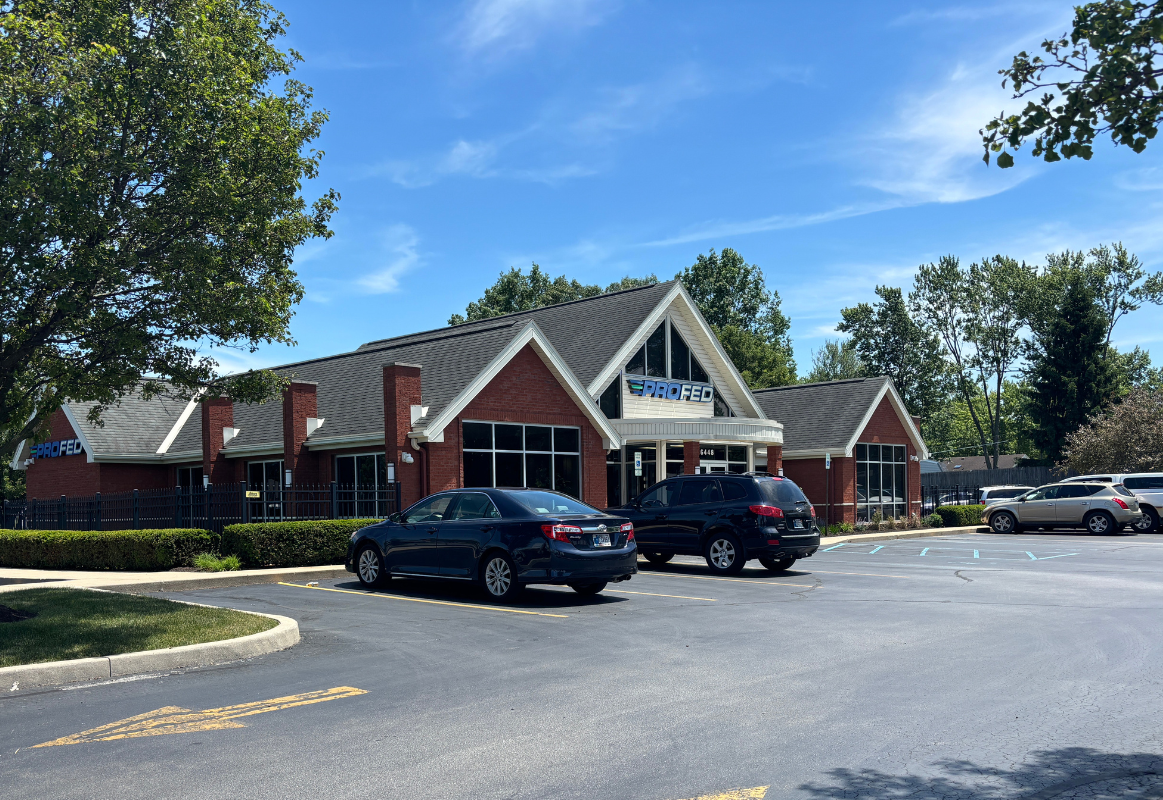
863 671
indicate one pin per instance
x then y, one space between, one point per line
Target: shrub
291 544
144 551
934 521
959 516
208 562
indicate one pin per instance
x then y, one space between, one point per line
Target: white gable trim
17 461
740 390
529 335
72 418
889 390
182 418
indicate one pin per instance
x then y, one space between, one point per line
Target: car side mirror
394 517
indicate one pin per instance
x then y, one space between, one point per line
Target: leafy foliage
733 297
1128 437
835 361
952 432
11 483
291 544
151 199
145 550
1107 81
515 291
959 516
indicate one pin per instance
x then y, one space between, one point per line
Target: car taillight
812 509
767 511
560 533
1121 503
628 529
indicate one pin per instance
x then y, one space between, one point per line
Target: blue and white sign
65 447
671 390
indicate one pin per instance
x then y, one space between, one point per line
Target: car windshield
551 503
780 491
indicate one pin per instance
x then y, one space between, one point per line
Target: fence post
244 509
209 490
62 515
136 511
97 511
177 506
334 500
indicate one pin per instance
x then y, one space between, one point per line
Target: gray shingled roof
134 426
607 322
587 333
820 416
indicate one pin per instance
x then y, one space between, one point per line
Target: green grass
75 623
208 562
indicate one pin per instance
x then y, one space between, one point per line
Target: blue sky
835 145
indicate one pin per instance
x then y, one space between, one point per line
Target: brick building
863 428
598 398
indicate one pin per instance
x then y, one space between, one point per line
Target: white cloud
497 27
961 14
720 228
401 243
627 109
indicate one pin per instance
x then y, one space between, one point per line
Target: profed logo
671 390
65 447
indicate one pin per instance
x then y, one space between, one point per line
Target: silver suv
1148 489
1097 507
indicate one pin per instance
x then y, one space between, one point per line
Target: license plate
601 540
799 523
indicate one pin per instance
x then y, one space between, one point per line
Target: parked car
1097 507
503 539
991 494
1148 489
727 519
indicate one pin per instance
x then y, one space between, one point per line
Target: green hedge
291 544
144 551
960 516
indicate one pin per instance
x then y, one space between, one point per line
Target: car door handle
432 530
486 528
710 513
660 516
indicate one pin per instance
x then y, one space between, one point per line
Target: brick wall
68 475
299 403
886 427
218 413
401 392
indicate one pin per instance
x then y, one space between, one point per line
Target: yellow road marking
173 719
758 793
421 600
869 574
654 594
736 580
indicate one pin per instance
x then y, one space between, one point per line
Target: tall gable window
611 400
651 357
683 364
667 355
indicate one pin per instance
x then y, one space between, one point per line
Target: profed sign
65 447
671 390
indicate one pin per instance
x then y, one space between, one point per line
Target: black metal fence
1016 476
210 508
933 496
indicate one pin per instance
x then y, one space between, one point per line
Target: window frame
893 467
553 453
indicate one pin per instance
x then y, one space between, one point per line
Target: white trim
71 417
799 454
741 390
529 335
16 459
353 440
174 431
703 429
148 458
901 412
252 450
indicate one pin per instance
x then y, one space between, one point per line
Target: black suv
726 518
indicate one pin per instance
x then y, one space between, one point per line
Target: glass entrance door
718 458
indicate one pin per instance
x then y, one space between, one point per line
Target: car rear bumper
790 543
568 564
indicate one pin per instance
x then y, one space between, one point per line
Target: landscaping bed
60 624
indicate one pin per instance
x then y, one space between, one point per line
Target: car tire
1100 523
1149 523
588 589
499 577
658 558
1003 522
724 554
777 564
369 567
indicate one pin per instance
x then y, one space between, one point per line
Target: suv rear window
784 491
1123 490
1004 493
1144 483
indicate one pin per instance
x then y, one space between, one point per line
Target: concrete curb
55 673
140 582
882 535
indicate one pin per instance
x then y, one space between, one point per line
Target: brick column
774 458
401 392
299 403
690 458
217 413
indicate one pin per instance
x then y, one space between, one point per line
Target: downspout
424 470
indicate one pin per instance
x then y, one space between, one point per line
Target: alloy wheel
369 566
1145 524
498 577
1002 523
1098 524
722 553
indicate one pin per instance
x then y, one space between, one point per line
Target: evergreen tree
1070 379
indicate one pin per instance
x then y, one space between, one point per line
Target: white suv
1148 489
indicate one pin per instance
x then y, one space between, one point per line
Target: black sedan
727 519
503 539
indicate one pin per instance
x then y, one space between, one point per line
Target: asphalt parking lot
972 666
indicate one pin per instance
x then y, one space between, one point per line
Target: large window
361 485
266 477
675 459
880 481
189 476
614 478
611 400
513 455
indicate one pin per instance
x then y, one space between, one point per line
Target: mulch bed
12 615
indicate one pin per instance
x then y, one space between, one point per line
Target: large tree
889 342
1070 378
516 291
150 198
734 299
977 314
1100 78
835 361
1126 438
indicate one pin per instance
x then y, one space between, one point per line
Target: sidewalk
139 582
